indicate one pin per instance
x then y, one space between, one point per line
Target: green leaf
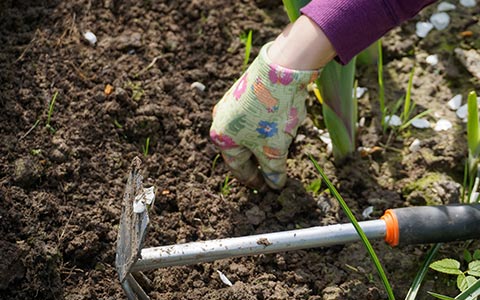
417 282
474 268
315 186
473 124
447 266
467 255
440 296
476 255
464 282
471 293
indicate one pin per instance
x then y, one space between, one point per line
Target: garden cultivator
400 226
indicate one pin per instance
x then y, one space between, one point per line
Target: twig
150 65
30 130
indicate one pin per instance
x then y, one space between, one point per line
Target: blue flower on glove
267 129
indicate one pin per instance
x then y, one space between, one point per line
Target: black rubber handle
435 224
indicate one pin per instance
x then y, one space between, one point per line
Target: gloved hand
260 115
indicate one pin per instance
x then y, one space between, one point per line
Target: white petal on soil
138 207
446 6
90 37
432 59
367 212
443 124
423 28
421 123
361 91
393 120
224 278
415 145
440 20
468 3
455 102
462 112
325 137
329 148
198 85
149 195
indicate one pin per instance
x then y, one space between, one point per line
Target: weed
247 40
146 146
315 186
137 90
214 162
473 139
117 124
381 87
465 279
357 227
225 189
50 112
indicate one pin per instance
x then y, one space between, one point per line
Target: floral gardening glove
260 115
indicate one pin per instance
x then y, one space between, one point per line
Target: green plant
315 186
357 227
225 189
50 112
465 279
473 138
417 281
381 87
247 40
146 146
339 105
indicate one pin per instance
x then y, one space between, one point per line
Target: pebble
415 145
432 60
440 20
90 37
468 3
455 102
198 85
393 120
367 212
423 28
445 6
462 111
443 124
421 123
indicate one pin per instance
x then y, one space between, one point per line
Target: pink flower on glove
222 141
283 76
241 87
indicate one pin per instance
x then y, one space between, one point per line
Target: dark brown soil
61 185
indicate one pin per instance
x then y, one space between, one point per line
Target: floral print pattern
223 141
241 87
267 129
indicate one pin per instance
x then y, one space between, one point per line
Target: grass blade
381 86
248 50
406 106
357 227
440 296
417 281
293 8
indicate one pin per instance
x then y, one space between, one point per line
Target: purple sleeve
353 25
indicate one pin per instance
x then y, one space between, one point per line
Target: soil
63 173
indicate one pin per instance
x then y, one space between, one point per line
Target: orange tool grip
392 236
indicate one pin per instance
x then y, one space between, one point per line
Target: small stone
423 28
198 85
440 20
445 6
455 102
255 215
90 37
421 123
432 60
443 124
468 3
462 111
415 145
393 120
367 212
26 172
